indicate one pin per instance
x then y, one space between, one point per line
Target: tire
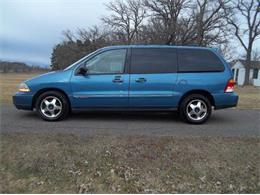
52 106
194 112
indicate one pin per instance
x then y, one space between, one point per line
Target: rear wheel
195 109
52 106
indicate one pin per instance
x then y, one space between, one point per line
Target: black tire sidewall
61 97
187 100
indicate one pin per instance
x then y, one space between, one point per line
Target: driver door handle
118 79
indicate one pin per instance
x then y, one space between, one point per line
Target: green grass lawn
34 163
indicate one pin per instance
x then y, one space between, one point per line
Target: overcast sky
29 29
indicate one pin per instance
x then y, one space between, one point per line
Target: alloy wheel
51 107
196 109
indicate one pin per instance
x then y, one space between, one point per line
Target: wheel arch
201 92
41 91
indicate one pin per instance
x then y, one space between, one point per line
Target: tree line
9 67
209 23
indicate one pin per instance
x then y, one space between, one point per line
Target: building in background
238 68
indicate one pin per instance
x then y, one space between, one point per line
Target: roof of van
155 46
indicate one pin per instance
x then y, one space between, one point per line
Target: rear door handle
118 79
140 80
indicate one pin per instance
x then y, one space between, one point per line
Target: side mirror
82 71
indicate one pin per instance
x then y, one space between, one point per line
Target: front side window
153 60
199 60
107 62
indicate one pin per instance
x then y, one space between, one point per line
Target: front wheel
195 109
52 106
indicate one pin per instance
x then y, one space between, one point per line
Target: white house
238 68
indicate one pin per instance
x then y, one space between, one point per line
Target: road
229 122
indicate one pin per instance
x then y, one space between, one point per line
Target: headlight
23 88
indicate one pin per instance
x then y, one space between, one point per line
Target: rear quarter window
199 60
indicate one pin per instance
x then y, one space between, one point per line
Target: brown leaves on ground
34 163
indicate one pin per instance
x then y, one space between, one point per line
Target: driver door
105 85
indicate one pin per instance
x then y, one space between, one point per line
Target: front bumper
225 100
23 101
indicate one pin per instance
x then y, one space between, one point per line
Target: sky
29 29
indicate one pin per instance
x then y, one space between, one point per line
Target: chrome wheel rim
197 109
51 107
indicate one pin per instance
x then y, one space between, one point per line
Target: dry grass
9 84
249 96
34 163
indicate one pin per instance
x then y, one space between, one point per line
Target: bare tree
256 55
247 32
200 22
68 35
76 45
210 25
179 22
166 15
94 37
126 18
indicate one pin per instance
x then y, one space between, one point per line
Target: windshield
80 60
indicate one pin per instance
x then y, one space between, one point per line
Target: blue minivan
190 80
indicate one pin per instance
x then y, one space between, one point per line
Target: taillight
230 86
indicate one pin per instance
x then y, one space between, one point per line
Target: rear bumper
23 101
225 100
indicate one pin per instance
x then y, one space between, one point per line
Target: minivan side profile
190 80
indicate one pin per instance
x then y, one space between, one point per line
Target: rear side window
150 60
199 60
